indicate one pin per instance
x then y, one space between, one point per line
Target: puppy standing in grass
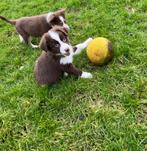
57 56
36 26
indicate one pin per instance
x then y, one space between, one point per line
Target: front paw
65 74
34 46
86 75
89 40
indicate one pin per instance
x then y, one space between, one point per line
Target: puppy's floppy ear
43 43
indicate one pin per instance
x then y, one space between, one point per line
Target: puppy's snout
67 50
66 28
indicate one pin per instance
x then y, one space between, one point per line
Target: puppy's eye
64 40
56 45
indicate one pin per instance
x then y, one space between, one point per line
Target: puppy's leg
33 46
65 74
78 48
21 39
86 75
70 69
24 37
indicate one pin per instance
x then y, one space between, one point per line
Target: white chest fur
66 60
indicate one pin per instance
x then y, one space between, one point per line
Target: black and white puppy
57 57
36 26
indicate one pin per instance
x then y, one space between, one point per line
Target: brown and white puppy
36 26
57 56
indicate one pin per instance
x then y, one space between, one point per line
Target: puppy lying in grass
57 56
36 26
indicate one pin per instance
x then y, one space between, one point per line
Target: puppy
36 26
57 56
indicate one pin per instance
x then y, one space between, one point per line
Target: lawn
105 113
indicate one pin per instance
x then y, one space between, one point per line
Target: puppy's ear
43 43
62 29
60 12
56 14
51 17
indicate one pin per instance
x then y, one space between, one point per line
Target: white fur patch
48 16
86 75
21 39
64 25
66 60
33 46
65 74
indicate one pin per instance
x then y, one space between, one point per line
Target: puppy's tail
12 22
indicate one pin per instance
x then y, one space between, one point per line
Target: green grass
106 113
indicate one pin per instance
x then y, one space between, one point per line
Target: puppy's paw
21 39
65 74
89 40
86 75
34 46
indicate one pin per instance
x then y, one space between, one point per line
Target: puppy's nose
66 29
67 50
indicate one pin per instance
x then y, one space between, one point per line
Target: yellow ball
99 51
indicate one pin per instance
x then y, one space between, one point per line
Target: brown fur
35 26
48 69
